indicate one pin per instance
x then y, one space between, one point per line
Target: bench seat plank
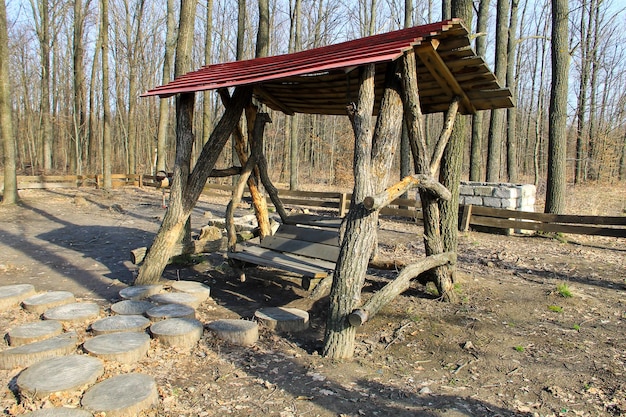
308 267
301 247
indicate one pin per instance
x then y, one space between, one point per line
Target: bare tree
9 195
476 146
207 124
496 128
106 106
557 135
41 13
164 104
511 82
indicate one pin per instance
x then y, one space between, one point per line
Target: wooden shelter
397 76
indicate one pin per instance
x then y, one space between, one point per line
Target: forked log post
398 286
259 127
421 181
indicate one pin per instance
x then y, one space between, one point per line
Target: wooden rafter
427 51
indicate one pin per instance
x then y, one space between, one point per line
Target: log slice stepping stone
140 292
12 295
73 312
283 319
182 333
177 298
122 347
34 332
115 324
192 287
26 355
63 374
237 332
131 307
59 412
44 301
171 311
122 396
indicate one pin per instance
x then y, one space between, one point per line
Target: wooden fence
337 202
46 182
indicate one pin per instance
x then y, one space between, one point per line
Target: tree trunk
164 104
433 242
496 128
9 195
131 123
476 147
106 106
451 167
511 82
374 151
79 117
207 123
557 135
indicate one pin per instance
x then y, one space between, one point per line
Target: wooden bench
304 249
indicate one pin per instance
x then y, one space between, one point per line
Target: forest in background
58 96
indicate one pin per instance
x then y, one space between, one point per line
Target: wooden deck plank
307 267
301 247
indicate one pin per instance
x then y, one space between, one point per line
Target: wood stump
120 347
73 313
119 324
177 298
131 307
122 396
62 374
181 333
34 332
139 292
170 311
283 319
26 355
41 302
12 295
201 291
237 332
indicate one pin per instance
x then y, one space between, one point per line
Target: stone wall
519 197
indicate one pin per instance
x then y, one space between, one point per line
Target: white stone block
506 192
492 202
509 203
475 201
485 191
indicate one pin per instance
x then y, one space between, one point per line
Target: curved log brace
398 286
422 181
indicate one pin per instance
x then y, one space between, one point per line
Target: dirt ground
513 346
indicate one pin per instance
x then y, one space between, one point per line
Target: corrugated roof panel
321 80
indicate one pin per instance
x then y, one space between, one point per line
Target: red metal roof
277 79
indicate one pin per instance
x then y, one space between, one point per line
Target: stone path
57 361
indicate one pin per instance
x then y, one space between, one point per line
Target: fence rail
469 216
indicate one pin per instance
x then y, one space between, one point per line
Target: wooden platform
310 251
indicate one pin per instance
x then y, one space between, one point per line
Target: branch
398 286
422 181
446 131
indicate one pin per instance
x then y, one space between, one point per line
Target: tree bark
9 195
557 121
164 104
207 123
